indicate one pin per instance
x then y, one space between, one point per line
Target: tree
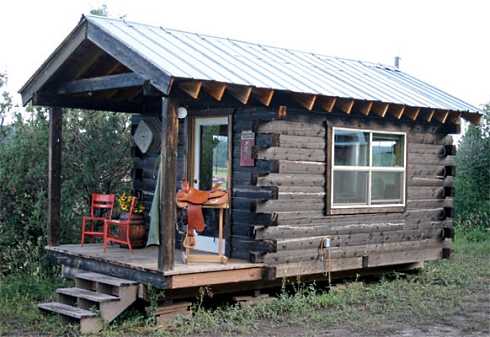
472 200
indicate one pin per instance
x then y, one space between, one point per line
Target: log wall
287 230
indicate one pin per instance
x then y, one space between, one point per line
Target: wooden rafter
412 113
454 117
241 93
214 89
441 115
306 101
264 96
345 105
192 88
397 110
366 107
327 103
430 115
380 108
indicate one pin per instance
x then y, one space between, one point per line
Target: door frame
196 145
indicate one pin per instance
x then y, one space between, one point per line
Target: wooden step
66 310
87 295
104 279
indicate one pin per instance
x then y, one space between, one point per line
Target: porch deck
141 265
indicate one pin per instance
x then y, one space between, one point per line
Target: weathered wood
242 94
283 153
192 88
131 59
99 83
423 181
290 205
306 101
324 226
328 103
301 180
264 141
48 69
264 96
54 175
167 186
292 128
357 239
292 256
344 105
256 192
425 192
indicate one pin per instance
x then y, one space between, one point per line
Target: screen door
210 168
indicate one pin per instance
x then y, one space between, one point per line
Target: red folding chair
124 227
100 210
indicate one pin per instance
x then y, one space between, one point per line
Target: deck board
146 259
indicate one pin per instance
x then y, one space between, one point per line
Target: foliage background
96 158
472 182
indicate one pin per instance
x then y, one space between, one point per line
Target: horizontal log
108 82
423 181
449 203
308 226
426 170
266 140
290 205
310 189
361 238
425 192
353 263
283 153
425 203
256 192
429 149
277 179
315 196
449 181
292 128
292 256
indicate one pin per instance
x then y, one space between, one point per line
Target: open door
211 161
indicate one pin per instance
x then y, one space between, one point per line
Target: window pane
351 148
350 187
387 150
386 188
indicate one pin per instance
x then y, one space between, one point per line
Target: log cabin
333 166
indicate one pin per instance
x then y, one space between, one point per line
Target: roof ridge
366 63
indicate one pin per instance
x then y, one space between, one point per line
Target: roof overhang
87 31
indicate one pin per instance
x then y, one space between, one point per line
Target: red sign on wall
247 142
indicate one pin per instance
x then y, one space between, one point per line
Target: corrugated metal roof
203 57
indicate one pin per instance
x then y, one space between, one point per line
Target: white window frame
370 169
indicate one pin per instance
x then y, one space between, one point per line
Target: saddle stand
194 200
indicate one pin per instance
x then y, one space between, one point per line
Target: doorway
210 167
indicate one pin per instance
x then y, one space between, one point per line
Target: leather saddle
192 200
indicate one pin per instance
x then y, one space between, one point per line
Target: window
368 168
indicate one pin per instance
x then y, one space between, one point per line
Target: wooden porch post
54 175
168 154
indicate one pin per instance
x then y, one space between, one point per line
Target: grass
434 294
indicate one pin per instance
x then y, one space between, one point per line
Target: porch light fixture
181 112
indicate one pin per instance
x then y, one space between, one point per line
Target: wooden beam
214 89
430 115
264 96
397 110
345 105
306 101
412 113
54 175
192 88
472 117
282 111
88 103
125 80
380 108
241 93
454 117
168 155
366 108
129 58
327 103
441 115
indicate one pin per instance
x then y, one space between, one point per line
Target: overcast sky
445 43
